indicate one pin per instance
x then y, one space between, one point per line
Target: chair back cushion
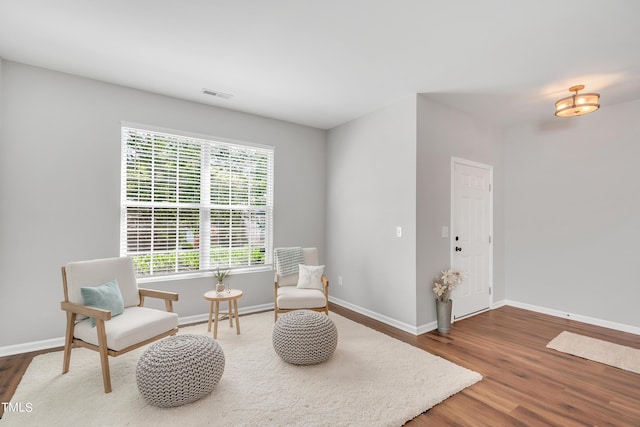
97 272
310 258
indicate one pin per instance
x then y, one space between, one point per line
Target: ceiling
322 63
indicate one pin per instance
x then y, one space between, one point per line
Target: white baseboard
577 317
31 346
384 319
498 304
59 342
427 327
199 318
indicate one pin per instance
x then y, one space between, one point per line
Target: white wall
566 203
1 122
573 214
444 132
371 189
60 182
1 99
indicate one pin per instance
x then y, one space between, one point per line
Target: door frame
489 168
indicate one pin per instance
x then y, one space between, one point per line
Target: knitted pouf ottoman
304 337
179 369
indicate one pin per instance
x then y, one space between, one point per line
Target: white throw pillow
310 277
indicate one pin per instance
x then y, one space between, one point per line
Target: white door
471 235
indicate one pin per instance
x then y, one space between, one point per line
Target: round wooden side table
214 299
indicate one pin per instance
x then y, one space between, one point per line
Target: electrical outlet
339 280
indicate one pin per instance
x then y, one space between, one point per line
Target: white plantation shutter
191 204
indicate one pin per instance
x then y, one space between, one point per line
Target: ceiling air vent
217 93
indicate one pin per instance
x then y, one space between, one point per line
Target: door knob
458 249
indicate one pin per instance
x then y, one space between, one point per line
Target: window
191 204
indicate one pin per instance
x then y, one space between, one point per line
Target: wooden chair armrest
152 293
96 313
168 297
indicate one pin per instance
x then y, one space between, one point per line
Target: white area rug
371 380
609 353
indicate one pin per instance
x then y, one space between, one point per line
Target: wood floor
524 384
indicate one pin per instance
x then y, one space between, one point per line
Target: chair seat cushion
134 325
291 297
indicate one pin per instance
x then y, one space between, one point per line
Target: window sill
200 274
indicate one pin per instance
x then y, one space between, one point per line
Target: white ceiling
324 62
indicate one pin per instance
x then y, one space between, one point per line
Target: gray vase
443 312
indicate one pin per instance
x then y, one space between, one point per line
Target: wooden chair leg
235 309
210 316
68 341
104 355
275 302
216 320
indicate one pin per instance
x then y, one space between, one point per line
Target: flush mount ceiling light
577 105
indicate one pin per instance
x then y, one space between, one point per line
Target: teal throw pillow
107 297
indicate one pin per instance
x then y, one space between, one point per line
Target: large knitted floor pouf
179 369
304 337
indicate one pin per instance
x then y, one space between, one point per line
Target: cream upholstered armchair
292 293
125 324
